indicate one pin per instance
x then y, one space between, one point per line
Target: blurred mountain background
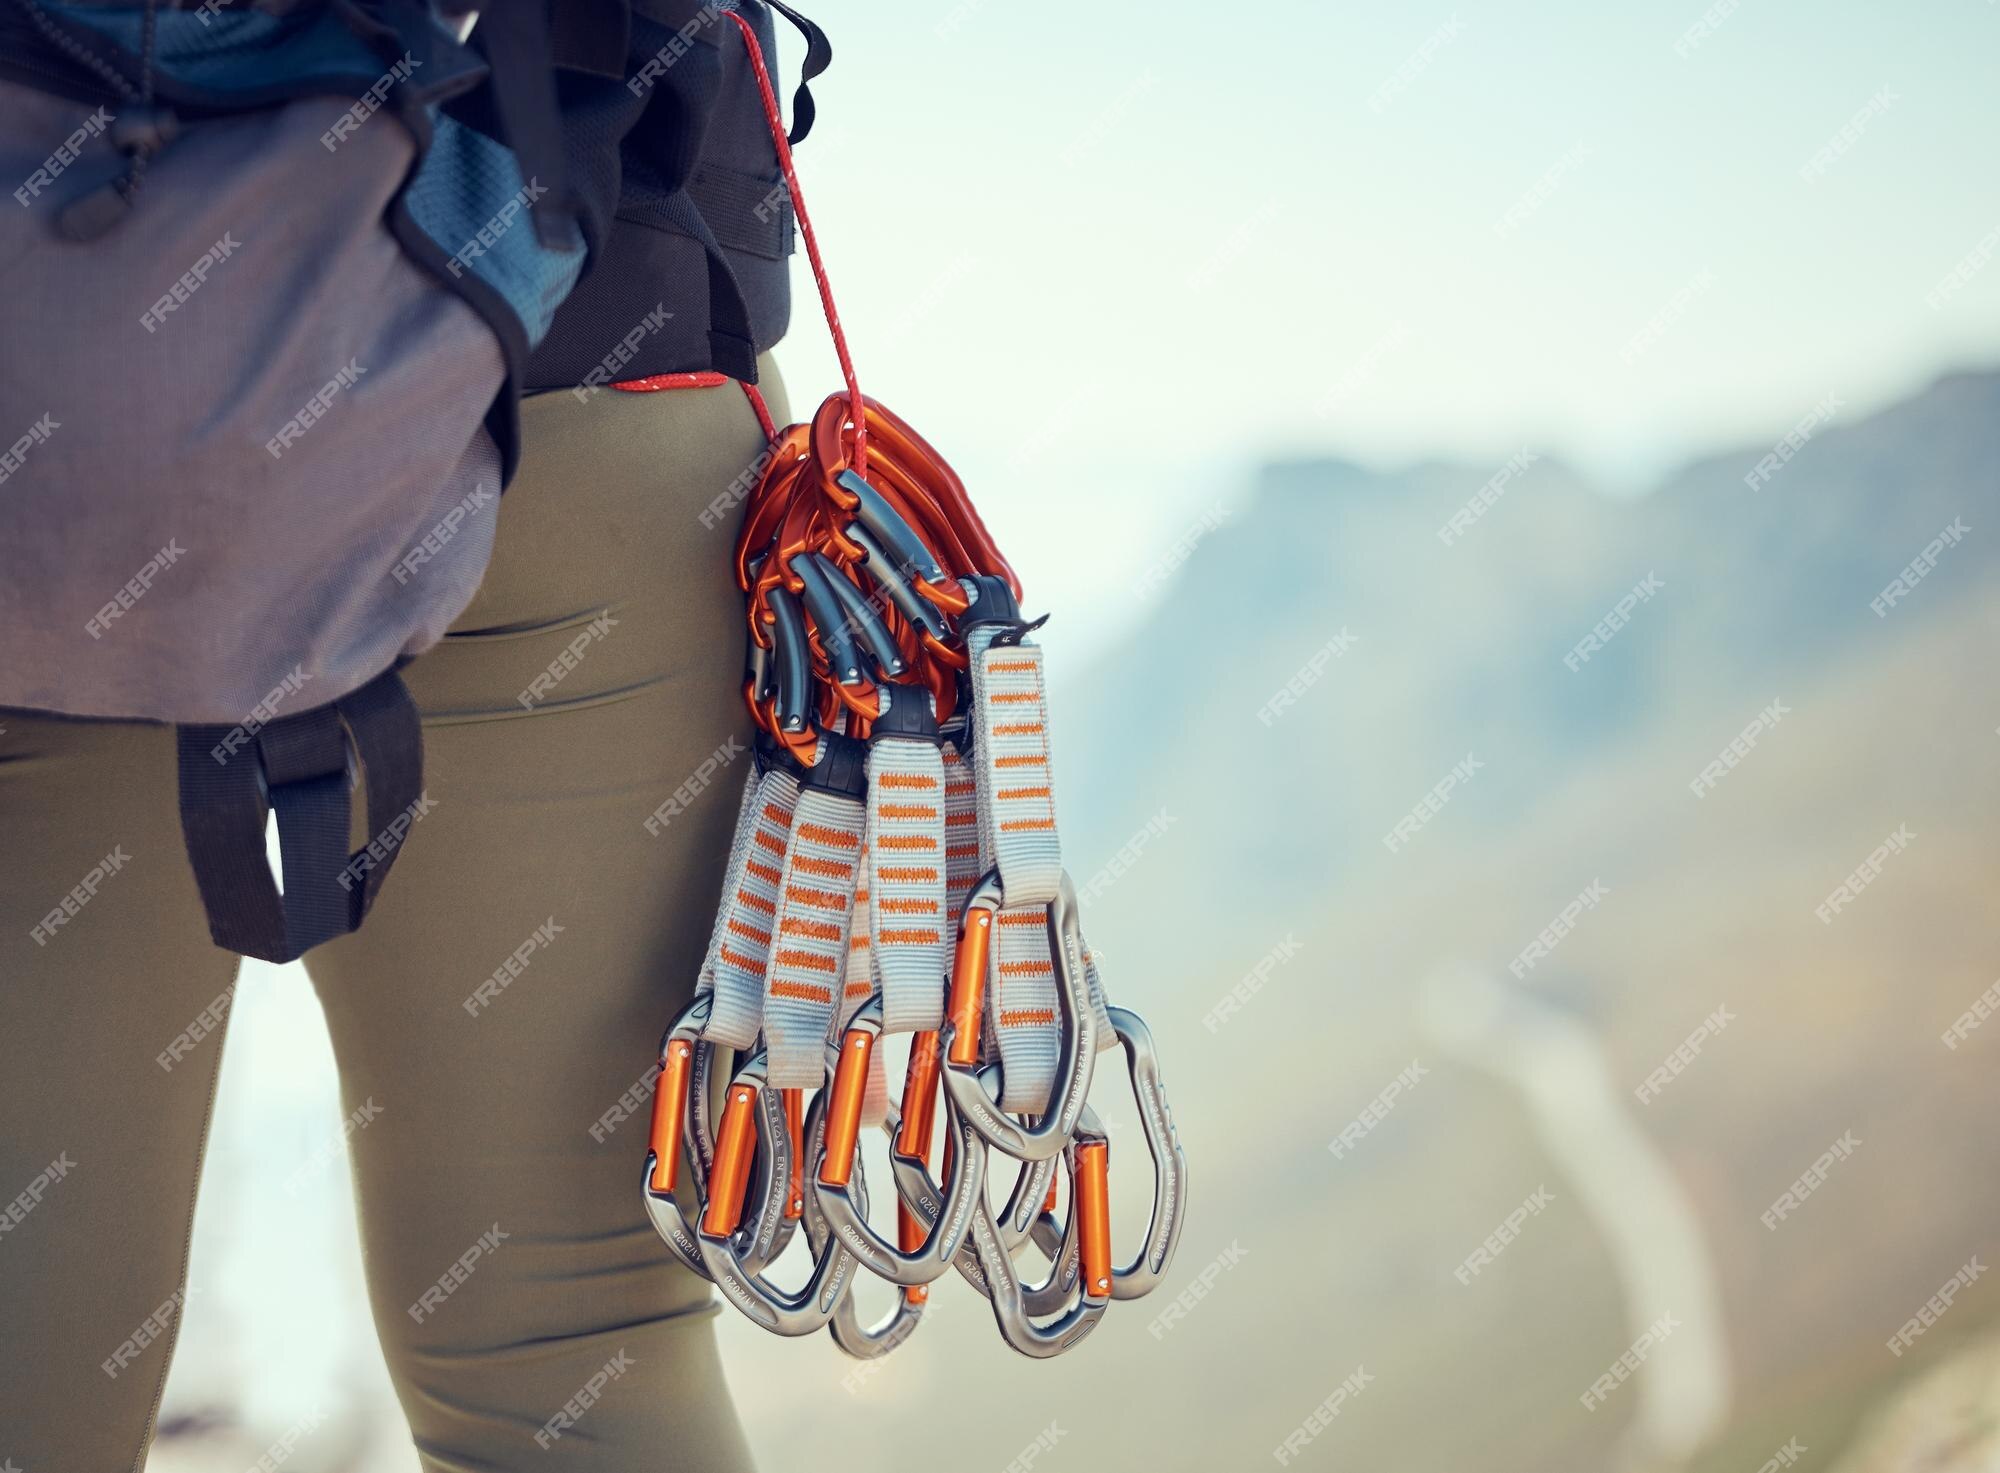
1257 836
1458 652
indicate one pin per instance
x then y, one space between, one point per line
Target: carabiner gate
1090 1190
670 1128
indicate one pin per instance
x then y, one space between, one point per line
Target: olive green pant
507 992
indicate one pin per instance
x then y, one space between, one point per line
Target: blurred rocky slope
1275 840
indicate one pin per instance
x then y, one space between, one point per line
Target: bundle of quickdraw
902 780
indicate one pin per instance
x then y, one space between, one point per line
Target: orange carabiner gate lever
729 1178
669 1114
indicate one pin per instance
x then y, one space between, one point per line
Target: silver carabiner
1090 1192
986 1260
863 1342
1060 1240
681 1114
916 1123
1156 1122
919 1193
835 1164
672 1127
753 1126
922 1197
975 1091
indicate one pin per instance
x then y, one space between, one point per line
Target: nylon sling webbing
862 979
297 766
908 928
898 937
858 977
901 939
961 831
740 947
1017 834
732 901
821 872
1014 790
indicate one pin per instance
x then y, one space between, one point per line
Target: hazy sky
1109 256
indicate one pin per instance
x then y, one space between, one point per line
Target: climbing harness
896 869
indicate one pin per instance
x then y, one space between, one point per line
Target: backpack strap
818 57
516 38
298 767
732 343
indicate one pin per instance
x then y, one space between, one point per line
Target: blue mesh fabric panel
457 198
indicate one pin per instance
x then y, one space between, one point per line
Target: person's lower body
500 1007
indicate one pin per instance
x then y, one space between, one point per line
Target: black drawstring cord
139 131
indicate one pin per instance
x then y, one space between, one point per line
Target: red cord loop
776 122
853 544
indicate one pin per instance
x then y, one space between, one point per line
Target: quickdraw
896 869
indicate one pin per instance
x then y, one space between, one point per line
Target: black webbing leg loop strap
305 768
298 767
389 738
